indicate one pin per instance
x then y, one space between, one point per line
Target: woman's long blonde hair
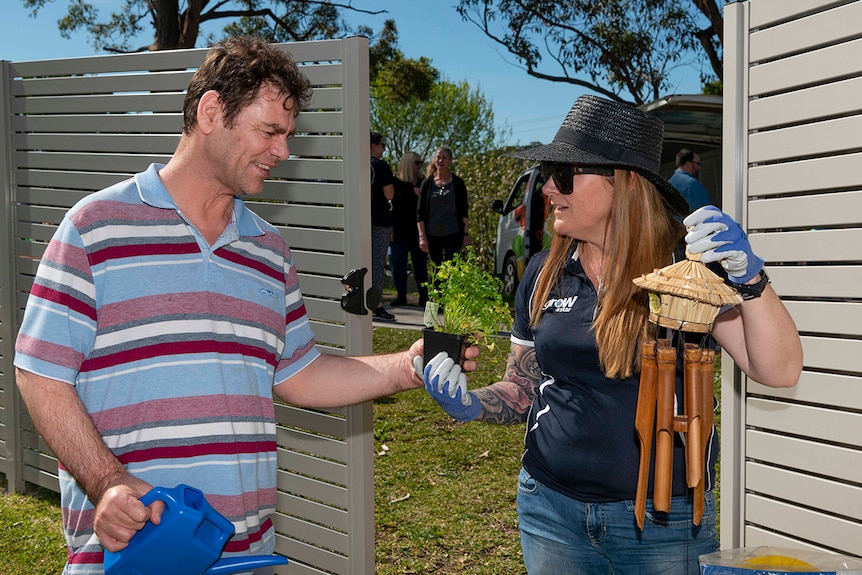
405 166
641 237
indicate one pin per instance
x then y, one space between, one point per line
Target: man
685 179
165 314
382 192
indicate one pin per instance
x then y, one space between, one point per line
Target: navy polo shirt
581 439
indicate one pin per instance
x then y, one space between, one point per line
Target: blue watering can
188 540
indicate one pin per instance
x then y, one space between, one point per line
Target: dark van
524 227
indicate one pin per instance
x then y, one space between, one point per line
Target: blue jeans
560 535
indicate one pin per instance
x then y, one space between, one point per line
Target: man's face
378 149
694 165
245 154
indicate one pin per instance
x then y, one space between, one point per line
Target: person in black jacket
405 234
382 191
441 215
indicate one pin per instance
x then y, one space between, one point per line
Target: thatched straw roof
690 279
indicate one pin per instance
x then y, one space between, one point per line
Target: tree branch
716 30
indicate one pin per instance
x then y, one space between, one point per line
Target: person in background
405 234
442 212
574 366
382 192
685 179
165 315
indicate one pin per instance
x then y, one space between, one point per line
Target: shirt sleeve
59 326
522 333
422 203
299 343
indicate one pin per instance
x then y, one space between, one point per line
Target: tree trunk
191 24
167 23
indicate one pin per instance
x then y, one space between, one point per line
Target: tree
397 79
625 50
454 116
417 111
175 27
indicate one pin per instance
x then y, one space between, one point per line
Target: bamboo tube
665 384
705 382
693 415
644 421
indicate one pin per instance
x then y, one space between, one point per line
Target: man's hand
447 384
120 514
718 238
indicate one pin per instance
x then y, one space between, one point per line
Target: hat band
608 150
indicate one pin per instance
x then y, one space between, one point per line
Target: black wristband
751 291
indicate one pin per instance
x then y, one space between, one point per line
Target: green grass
444 491
31 536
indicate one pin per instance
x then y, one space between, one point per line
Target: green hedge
488 177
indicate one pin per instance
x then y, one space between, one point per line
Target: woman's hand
718 238
447 385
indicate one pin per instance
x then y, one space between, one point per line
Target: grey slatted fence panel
796 480
10 425
77 125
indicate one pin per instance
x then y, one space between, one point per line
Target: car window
538 182
516 198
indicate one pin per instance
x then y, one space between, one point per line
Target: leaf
399 499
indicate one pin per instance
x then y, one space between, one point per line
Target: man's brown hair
236 68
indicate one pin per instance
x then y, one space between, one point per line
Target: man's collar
153 192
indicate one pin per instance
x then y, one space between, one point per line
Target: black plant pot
437 341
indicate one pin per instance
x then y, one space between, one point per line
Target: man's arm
67 428
337 381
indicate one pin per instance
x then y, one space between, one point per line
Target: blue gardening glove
447 384
718 238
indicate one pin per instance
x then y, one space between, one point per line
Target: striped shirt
173 347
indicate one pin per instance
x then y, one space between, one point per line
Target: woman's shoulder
535 264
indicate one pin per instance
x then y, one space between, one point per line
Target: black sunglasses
564 174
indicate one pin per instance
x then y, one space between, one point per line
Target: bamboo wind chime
685 296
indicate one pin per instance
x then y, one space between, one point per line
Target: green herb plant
471 300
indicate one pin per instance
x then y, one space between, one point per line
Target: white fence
791 472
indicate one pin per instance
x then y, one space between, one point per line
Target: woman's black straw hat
600 132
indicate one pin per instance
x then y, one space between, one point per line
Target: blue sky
533 109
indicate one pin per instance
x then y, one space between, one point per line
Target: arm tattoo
508 401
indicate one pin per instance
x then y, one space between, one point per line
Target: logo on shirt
560 305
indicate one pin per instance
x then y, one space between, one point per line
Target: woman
573 368
405 235
441 215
